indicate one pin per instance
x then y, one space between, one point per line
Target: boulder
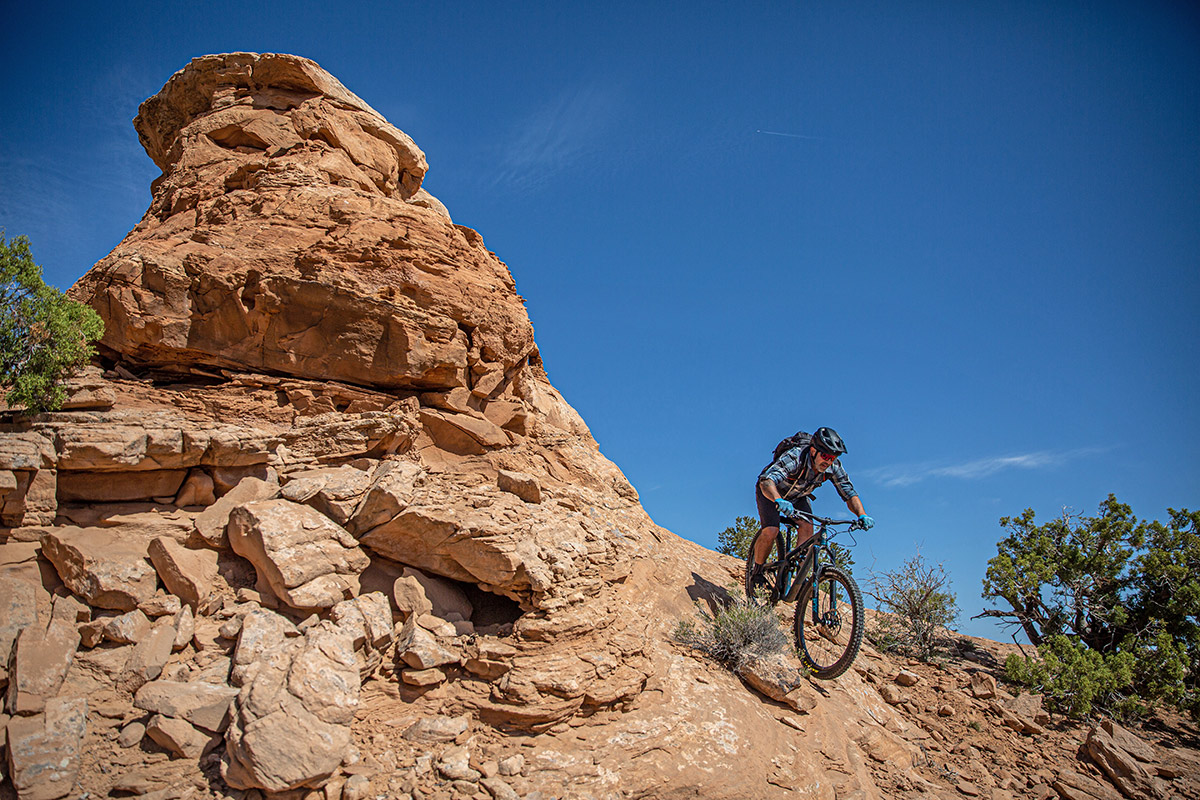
408 595
204 705
101 565
149 656
423 677
44 751
18 610
419 649
390 492
335 492
212 521
306 559
161 605
197 490
983 686
464 434
262 631
38 665
1132 744
367 618
291 725
522 485
185 628
187 574
1134 779
779 680
181 737
128 628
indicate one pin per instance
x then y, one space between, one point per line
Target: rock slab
103 568
44 750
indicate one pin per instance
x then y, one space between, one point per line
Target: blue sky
966 235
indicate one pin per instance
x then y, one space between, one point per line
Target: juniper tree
1111 602
44 335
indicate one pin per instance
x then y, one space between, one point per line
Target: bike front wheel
828 636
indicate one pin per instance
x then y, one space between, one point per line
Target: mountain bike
829 617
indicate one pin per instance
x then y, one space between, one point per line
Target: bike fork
816 597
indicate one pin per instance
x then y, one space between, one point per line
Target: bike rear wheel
770 572
829 638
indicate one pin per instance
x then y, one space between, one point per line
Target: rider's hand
786 509
866 522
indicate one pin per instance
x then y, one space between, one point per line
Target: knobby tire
828 656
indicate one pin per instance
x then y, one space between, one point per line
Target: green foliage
1112 603
736 540
919 604
735 634
1074 678
44 335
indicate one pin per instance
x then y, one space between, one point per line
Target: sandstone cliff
318 525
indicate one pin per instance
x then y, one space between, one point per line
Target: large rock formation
289 234
398 563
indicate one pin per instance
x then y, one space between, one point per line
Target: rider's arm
768 488
855 505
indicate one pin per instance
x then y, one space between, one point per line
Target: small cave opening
491 613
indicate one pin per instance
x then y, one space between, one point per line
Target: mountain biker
786 486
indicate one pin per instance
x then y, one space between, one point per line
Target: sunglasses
826 456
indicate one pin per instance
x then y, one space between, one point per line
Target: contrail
792 135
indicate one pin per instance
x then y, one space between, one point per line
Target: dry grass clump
735 634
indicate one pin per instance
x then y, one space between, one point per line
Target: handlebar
824 522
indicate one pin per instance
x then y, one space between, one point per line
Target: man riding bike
787 484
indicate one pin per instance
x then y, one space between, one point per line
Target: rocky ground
316 525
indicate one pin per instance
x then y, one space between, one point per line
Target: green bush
919 605
737 633
1112 604
44 336
1075 678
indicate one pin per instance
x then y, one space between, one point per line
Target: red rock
45 751
187 574
308 560
39 664
104 568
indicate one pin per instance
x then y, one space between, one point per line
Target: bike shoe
758 582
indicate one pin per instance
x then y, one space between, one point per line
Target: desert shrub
735 634
919 604
44 335
1074 678
1111 603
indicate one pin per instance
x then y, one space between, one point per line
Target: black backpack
798 439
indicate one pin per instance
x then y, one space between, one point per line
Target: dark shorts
768 512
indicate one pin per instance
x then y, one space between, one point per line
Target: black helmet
828 441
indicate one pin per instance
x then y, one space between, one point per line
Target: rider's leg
804 527
763 544
768 526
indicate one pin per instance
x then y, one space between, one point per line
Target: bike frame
812 564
